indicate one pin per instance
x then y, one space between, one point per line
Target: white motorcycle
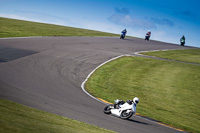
124 111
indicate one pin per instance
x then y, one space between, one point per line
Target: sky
167 20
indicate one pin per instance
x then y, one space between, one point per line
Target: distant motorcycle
124 111
182 42
122 35
147 37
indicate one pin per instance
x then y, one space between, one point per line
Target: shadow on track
135 121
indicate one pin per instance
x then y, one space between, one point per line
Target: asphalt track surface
47 72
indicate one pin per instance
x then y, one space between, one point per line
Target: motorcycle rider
148 35
124 33
182 40
121 102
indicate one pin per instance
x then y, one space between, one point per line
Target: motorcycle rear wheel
107 109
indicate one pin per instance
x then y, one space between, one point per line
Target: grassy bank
168 91
188 55
23 119
19 28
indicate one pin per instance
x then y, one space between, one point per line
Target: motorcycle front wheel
107 109
122 36
126 115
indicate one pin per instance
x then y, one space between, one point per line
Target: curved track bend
47 72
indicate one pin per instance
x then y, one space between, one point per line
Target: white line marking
23 37
83 84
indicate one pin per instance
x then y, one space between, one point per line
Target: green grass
22 119
188 55
19 28
169 91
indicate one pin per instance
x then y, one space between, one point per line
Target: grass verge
20 28
23 119
188 55
168 91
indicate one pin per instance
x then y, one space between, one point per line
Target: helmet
136 100
116 101
149 31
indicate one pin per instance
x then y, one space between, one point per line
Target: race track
47 72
